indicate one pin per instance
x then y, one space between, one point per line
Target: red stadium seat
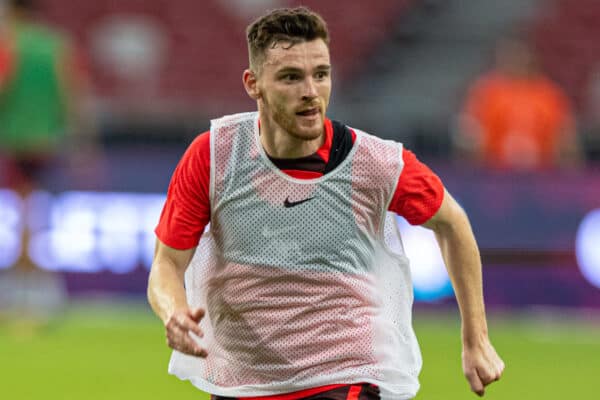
206 51
566 36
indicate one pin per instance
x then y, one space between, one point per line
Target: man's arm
166 295
481 363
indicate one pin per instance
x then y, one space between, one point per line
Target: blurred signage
81 231
91 232
587 247
525 212
429 276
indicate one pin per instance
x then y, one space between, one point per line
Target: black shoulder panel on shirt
340 146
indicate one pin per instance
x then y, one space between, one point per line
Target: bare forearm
166 292
461 255
481 363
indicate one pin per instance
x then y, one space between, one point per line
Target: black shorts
359 391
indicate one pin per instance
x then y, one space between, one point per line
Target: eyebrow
323 67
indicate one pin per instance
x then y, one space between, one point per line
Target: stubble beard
288 122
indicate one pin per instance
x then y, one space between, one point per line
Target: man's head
290 70
23 5
21 9
285 25
516 56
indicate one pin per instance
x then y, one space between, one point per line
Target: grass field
118 352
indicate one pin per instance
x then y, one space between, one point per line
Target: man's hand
179 326
481 365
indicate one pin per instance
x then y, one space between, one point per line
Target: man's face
295 85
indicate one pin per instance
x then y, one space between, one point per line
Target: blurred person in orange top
42 118
515 117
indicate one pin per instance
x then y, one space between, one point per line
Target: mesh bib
305 282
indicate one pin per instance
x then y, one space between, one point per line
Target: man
294 290
41 86
515 118
42 94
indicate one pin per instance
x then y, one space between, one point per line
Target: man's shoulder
377 151
373 139
234 118
200 144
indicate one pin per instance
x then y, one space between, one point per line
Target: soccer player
300 287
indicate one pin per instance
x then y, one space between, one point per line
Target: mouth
309 112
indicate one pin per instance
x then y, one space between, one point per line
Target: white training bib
305 282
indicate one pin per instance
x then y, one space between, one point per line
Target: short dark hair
292 25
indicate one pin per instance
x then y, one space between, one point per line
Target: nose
309 89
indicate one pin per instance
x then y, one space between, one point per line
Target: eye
290 77
322 74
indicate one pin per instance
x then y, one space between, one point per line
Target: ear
250 84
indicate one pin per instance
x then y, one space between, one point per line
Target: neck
278 143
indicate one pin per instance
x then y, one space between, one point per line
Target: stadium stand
564 32
205 50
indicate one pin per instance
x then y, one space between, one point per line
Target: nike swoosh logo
288 204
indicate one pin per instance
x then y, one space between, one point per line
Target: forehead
300 55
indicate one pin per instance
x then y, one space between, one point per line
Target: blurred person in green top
41 120
41 90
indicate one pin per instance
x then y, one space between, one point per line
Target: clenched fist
481 365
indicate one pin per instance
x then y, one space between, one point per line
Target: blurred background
98 101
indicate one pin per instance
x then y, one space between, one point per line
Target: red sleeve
187 209
419 193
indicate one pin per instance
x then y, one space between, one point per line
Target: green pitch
118 352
